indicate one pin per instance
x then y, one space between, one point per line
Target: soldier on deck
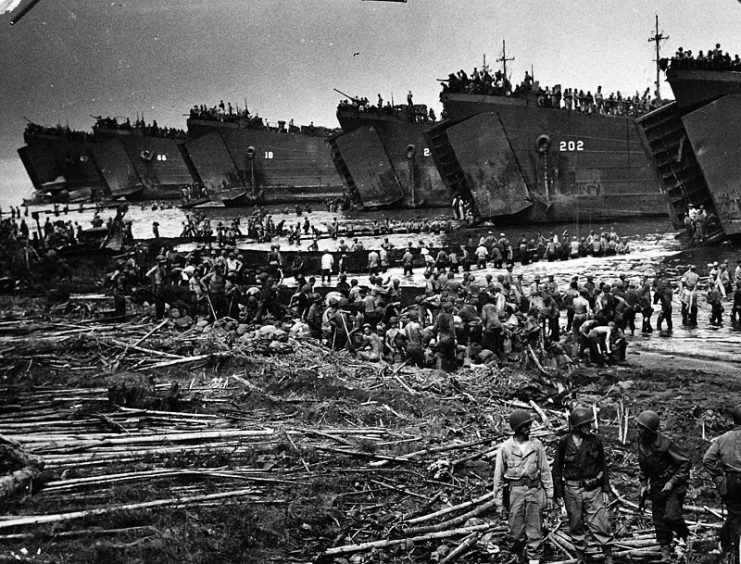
580 478
664 472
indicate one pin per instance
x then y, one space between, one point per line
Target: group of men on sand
526 486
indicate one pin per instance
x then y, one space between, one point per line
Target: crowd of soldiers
410 111
54 233
525 486
58 130
225 112
203 283
139 125
714 59
482 82
460 319
699 223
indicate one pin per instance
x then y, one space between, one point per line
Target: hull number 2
571 146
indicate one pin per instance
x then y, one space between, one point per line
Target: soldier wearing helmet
522 467
723 462
580 479
664 471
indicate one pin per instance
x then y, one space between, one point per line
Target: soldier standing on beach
664 472
723 462
522 468
580 478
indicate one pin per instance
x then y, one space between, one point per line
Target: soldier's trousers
589 519
729 534
666 510
526 519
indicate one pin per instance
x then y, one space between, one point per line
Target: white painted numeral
268 154
571 146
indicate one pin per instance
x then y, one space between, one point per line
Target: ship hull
387 160
694 144
105 164
139 166
60 164
520 162
282 167
693 88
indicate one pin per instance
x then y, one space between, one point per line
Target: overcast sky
68 59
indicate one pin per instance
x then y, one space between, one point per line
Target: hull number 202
571 146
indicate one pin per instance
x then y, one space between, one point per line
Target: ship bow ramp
361 159
475 158
116 168
714 131
210 160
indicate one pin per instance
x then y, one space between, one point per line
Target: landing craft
694 143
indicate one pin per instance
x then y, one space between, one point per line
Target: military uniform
723 462
523 469
661 462
580 478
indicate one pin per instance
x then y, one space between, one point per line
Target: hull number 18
571 146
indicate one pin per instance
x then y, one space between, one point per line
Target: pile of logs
267 429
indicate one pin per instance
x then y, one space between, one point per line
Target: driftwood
60 517
477 510
452 509
387 543
458 551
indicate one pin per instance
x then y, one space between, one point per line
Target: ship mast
658 38
503 59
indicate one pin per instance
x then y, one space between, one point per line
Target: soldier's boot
519 557
607 551
666 554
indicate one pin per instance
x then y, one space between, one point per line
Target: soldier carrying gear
723 462
522 467
664 471
580 478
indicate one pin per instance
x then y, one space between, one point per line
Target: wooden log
152 332
454 554
360 454
477 510
386 543
181 360
452 509
27 520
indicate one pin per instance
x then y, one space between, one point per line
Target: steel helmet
580 416
649 420
737 415
518 418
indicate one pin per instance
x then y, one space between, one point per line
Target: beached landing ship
240 160
383 156
695 143
519 160
114 161
140 161
57 160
